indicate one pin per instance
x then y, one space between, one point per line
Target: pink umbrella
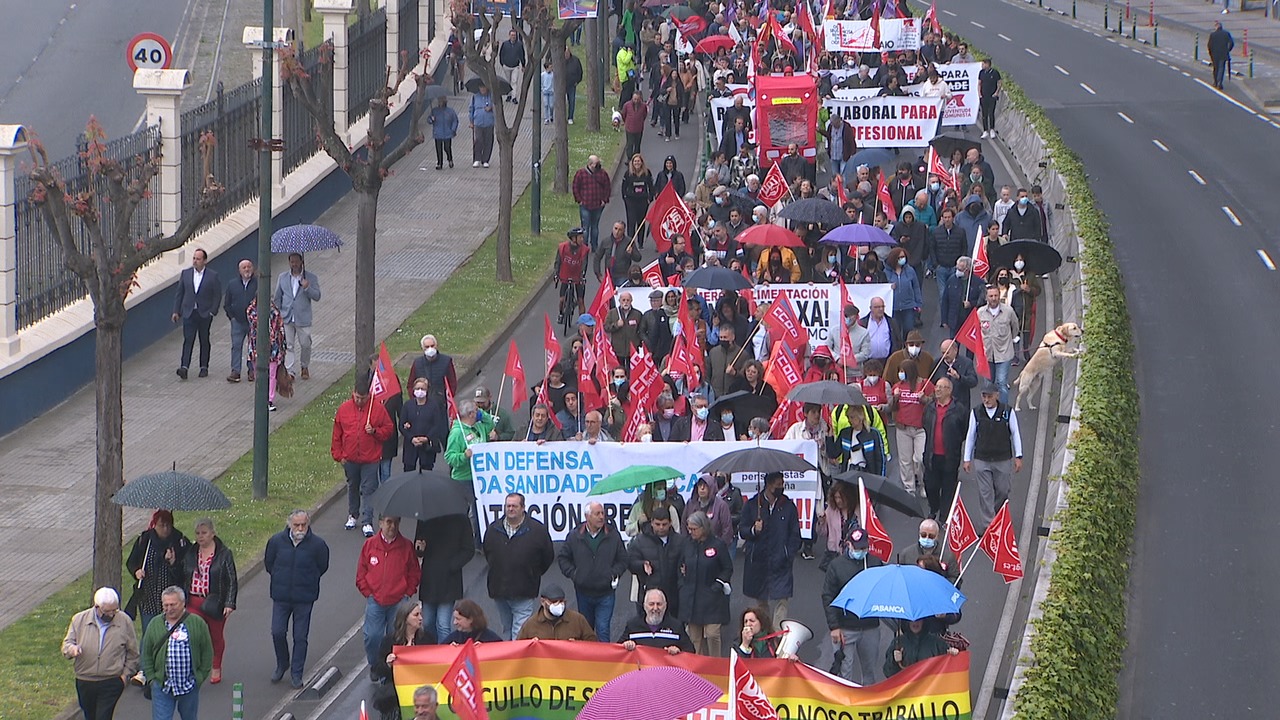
679 691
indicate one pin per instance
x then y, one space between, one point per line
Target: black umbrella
884 491
171 490
946 144
1040 258
827 392
816 211
716 278
473 86
431 93
422 496
757 460
732 397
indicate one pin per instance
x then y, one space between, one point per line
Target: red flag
385 381
515 370
931 19
784 370
937 168
970 336
462 680
774 187
545 399
847 357
805 22
779 36
550 345
450 405
691 26
604 295
652 274
981 264
606 361
781 320
681 360
750 702
789 413
636 416
689 329
961 535
667 216
749 294
875 25
841 195
646 381
882 190
879 542
588 392
1000 543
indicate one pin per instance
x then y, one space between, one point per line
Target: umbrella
712 45
871 157
816 211
858 234
473 86
679 12
171 490
827 392
946 144
422 496
433 92
1040 258
673 693
634 477
884 491
732 397
716 278
757 460
770 234
304 239
659 3
905 592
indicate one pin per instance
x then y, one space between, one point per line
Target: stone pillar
426 10
252 39
163 90
393 36
13 142
335 14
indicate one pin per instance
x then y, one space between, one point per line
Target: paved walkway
48 476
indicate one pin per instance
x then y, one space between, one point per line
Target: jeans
239 331
443 614
163 704
548 107
590 220
837 166
194 326
943 275
362 483
281 612
598 610
378 622
994 479
98 698
864 645
512 613
384 470
1000 375
571 98
904 321
633 144
670 119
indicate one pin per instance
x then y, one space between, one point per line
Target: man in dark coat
771 526
593 557
235 303
196 304
654 557
854 637
446 546
1022 222
963 289
572 76
436 367
519 552
295 559
946 420
1220 46
653 626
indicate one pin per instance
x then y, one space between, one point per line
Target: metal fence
45 285
367 71
299 128
409 41
233 118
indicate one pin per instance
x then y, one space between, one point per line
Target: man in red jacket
360 427
388 573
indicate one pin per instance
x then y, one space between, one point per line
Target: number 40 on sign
149 51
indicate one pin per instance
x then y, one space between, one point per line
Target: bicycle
574 287
569 305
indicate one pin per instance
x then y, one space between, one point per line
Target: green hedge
1080 638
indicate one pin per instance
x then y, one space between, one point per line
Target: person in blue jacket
481 115
444 126
295 558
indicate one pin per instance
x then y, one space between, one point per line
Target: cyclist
571 271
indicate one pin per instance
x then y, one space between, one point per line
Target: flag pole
967 563
946 527
502 385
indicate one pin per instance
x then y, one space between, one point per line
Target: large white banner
555 477
890 121
857 35
721 105
962 78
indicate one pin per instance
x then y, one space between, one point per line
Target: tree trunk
109 377
366 260
593 73
560 181
506 170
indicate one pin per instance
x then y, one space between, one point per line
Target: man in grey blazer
199 296
296 289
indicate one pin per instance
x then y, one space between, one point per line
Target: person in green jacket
912 645
627 73
502 428
170 693
472 426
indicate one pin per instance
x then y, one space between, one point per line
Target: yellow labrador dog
1053 347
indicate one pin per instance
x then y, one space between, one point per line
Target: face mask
726 418
902 261
927 543
857 554
619 382
1004 281
419 394
702 413
832 259
902 377
935 186
873 379
479 415
647 437
430 352
671 484
556 609
669 413
913 350
1018 265
1023 201
719 201
751 434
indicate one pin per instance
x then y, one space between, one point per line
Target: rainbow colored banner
553 679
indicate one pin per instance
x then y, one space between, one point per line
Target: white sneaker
984 134
571 121
367 530
486 164
351 522
475 164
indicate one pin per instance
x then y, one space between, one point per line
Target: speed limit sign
149 51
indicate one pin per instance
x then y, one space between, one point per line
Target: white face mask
873 379
419 393
1018 265
430 352
556 609
913 350
647 437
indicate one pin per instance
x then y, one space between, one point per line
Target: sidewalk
49 464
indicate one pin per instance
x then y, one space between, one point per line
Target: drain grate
333 357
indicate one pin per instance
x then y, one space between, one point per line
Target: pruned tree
482 58
557 39
595 78
367 167
101 215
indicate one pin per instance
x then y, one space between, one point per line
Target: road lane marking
1160 145
1185 73
1126 118
977 25
1004 37
1232 216
1088 89
1061 69
1196 176
950 13
1227 97
1032 52
1162 62
1266 259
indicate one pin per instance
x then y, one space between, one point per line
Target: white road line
1232 216
1185 73
1135 51
1088 89
1162 62
1126 118
1227 97
950 13
1004 37
1266 259
1061 69
1196 176
1160 145
977 25
1032 52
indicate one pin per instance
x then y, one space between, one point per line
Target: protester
705 572
177 657
1000 334
655 627
945 423
519 552
387 573
992 451
856 639
553 620
469 623
423 427
593 557
211 586
408 629
912 644
360 427
436 367
771 527
929 544
757 638
654 557
296 558
444 543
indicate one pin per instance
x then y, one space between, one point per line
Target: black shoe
182 373
277 674
204 372
296 682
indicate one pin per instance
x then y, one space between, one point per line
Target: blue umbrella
905 592
858 234
870 157
304 239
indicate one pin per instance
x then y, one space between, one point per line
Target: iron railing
410 44
300 142
233 118
45 285
367 69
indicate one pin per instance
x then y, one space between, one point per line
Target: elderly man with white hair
102 645
436 367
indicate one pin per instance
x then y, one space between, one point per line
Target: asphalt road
1184 176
